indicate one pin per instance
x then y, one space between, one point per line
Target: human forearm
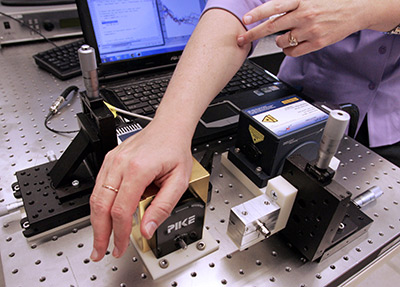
209 61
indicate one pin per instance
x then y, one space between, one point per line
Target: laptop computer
139 42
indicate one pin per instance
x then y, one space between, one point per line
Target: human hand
311 24
156 155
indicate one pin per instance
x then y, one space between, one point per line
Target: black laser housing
261 148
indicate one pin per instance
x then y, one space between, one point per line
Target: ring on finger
109 187
292 40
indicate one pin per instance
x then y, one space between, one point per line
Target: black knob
48 26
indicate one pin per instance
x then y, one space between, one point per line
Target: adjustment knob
48 25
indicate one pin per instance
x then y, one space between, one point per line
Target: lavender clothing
363 69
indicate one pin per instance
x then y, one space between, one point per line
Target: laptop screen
138 28
146 32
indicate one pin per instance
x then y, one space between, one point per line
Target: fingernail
150 228
94 255
247 19
116 252
240 40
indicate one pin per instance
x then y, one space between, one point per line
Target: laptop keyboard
144 97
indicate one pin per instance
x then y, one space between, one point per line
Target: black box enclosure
269 133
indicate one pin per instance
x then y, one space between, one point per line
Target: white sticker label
287 115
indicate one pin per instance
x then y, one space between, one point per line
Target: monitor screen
127 29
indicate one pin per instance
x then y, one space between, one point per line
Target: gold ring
292 40
110 188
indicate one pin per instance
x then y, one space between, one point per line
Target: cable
55 107
27 26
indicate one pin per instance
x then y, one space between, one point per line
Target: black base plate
47 207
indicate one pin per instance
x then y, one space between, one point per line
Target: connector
56 105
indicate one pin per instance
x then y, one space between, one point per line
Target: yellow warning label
270 119
255 135
291 100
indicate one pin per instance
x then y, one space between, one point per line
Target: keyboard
141 97
144 97
62 62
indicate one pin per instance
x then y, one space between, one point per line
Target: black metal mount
57 193
322 175
323 219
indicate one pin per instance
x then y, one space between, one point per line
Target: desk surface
26 92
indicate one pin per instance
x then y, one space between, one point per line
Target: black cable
55 107
27 26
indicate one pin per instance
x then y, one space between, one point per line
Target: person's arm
161 152
209 61
314 24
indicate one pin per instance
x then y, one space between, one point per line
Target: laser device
269 133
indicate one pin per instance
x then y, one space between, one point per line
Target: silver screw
75 183
163 263
258 169
201 245
237 150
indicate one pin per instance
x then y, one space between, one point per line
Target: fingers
300 50
123 209
163 204
294 44
289 39
101 201
257 32
271 8
274 10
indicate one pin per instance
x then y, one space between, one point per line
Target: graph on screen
180 17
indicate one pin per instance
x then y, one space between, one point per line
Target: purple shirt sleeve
237 8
